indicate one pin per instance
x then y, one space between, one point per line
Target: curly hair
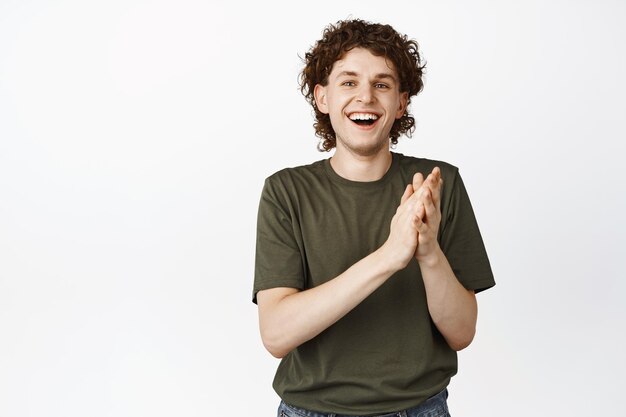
380 40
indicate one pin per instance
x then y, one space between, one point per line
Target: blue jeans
435 406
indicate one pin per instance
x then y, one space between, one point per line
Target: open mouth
363 119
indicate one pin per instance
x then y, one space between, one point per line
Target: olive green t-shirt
386 354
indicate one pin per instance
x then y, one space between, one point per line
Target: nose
365 94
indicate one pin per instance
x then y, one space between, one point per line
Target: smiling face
363 99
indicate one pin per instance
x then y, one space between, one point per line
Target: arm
453 308
289 317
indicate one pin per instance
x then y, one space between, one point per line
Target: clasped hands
414 227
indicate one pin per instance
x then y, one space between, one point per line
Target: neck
359 167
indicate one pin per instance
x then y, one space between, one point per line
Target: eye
348 83
381 85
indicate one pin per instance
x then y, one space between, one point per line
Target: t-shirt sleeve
462 242
278 259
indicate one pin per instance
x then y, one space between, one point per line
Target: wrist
389 259
431 259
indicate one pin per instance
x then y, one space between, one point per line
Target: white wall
134 140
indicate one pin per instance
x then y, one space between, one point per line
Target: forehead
362 61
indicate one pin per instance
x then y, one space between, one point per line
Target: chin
366 149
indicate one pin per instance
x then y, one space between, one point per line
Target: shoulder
313 168
290 180
452 183
411 165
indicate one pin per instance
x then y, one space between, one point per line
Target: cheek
337 105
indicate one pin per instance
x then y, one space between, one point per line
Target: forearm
452 307
295 318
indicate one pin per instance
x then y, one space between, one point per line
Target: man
366 272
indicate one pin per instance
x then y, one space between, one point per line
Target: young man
366 272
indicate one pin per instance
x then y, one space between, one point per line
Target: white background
134 141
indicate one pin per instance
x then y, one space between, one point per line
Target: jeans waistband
435 403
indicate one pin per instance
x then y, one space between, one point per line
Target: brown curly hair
380 40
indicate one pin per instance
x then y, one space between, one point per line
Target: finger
415 200
434 177
407 193
429 206
416 216
421 212
419 222
430 180
437 172
437 188
437 195
434 182
418 180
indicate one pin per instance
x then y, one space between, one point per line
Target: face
363 100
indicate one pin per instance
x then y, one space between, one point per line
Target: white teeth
363 116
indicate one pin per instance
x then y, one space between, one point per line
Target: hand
429 195
402 242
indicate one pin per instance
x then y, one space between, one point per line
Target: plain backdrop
134 140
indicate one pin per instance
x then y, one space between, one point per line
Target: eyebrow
381 76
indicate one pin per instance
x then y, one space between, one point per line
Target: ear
404 99
320 98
